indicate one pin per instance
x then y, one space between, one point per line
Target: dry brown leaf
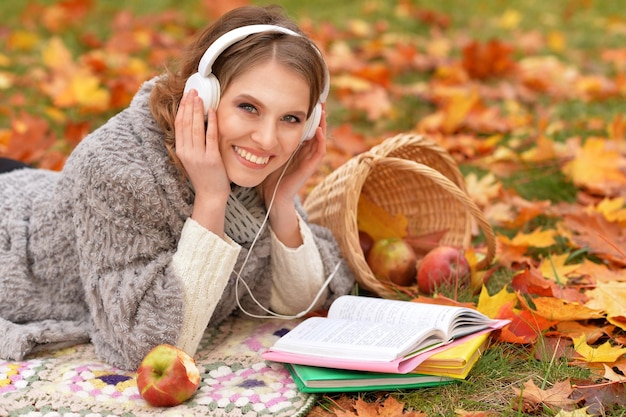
533 398
390 407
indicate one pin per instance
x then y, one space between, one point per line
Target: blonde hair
296 52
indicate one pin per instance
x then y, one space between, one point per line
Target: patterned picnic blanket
236 381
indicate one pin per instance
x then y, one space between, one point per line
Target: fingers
189 122
211 129
320 133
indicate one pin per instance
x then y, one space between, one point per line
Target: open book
376 334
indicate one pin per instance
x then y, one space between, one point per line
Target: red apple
167 376
393 259
443 266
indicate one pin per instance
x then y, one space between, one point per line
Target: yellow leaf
439 46
477 277
56 55
5 61
22 40
457 109
537 239
603 353
596 165
377 222
544 150
56 114
613 210
557 41
554 268
88 93
491 305
510 19
609 297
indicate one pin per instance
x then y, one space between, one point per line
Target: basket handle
449 186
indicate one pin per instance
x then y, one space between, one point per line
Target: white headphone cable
273 315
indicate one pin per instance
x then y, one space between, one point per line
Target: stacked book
367 343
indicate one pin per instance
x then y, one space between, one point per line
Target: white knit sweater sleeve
204 262
298 274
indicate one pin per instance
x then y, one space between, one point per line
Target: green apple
393 259
167 376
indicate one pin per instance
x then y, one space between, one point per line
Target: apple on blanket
167 376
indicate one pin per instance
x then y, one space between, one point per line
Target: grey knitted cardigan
85 253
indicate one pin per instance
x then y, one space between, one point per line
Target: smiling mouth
258 160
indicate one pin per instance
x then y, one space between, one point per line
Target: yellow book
457 361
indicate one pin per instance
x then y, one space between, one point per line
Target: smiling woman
160 224
263 126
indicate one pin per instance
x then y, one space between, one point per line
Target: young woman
158 224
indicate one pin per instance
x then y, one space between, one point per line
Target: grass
579 31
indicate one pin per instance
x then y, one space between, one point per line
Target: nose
265 134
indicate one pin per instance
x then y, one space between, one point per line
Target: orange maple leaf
531 281
598 167
29 139
483 60
60 16
560 310
571 329
595 272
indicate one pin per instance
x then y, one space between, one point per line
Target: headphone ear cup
208 89
312 123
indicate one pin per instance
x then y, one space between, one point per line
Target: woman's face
260 119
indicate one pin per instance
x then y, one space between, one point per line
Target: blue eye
291 119
248 107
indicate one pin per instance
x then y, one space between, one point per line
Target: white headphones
208 86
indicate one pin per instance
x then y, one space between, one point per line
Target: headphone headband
231 37
205 67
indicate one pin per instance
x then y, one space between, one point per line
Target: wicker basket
408 174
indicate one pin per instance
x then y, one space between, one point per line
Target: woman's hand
199 153
302 166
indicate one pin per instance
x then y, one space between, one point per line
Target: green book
317 379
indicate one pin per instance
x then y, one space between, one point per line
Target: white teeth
251 157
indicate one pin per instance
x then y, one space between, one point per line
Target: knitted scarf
244 214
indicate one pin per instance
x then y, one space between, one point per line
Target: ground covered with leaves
529 99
